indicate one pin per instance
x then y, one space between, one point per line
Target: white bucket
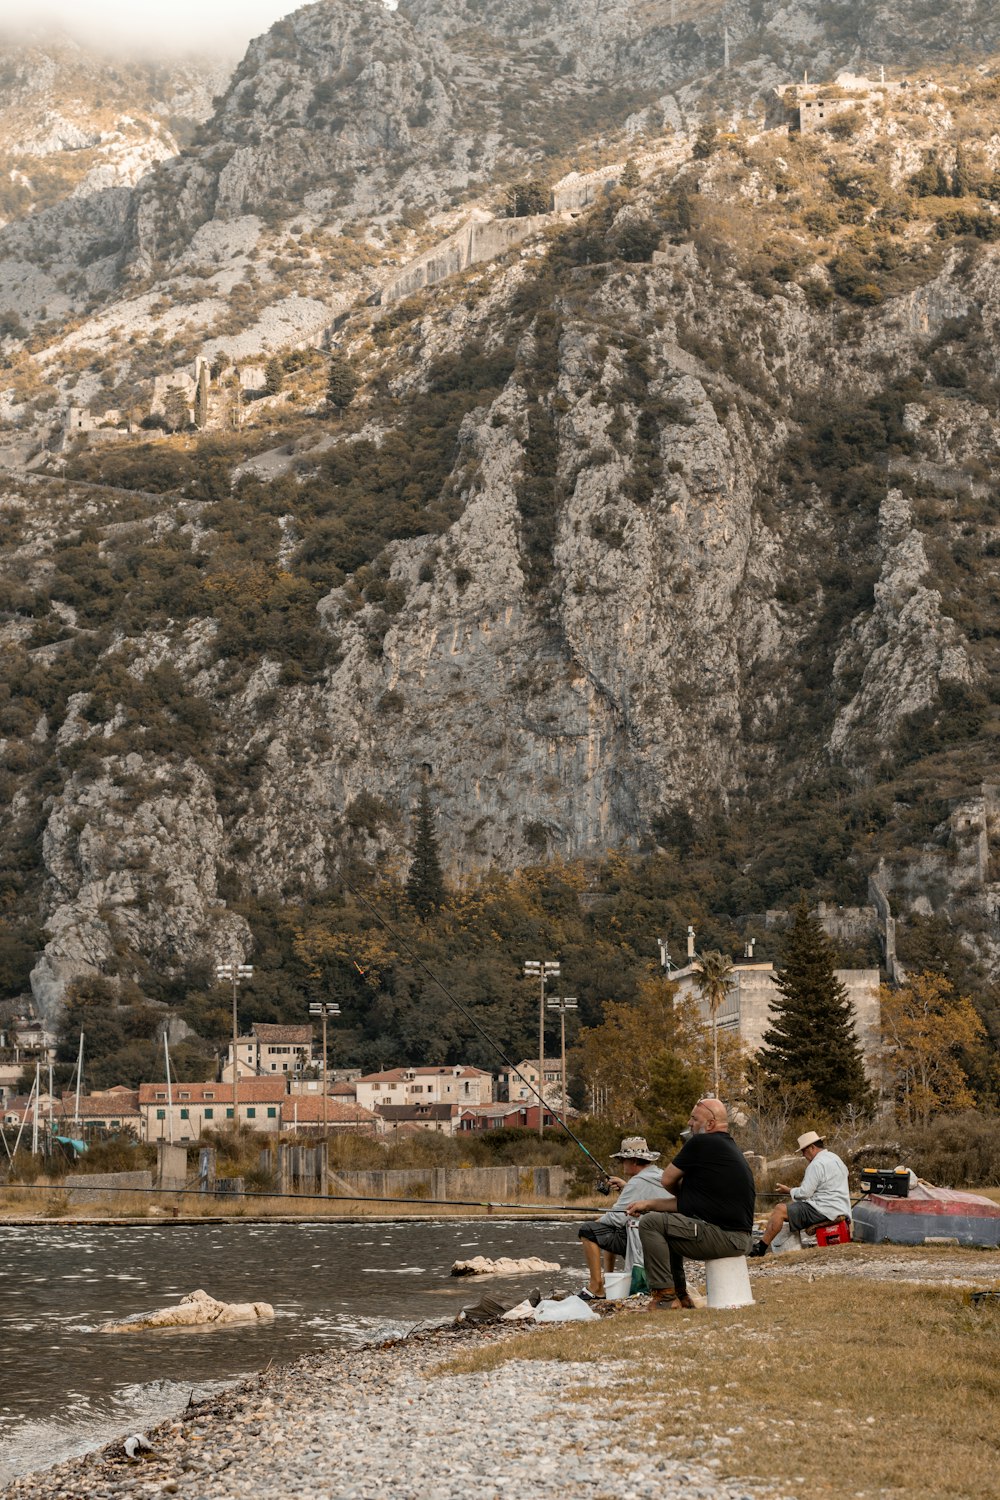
617 1285
727 1282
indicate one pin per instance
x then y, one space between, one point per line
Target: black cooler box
887 1182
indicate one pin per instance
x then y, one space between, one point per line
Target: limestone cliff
682 512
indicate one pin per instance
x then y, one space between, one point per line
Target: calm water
66 1388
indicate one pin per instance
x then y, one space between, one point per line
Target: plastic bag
569 1310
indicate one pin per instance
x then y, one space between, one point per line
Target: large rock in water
196 1310
480 1265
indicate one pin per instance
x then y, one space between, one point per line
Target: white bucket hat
634 1148
810 1139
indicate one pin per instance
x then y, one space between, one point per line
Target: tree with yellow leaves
924 1027
648 1061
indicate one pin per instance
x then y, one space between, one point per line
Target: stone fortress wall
483 238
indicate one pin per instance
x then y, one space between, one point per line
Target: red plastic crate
834 1234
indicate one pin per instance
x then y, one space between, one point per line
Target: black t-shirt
718 1184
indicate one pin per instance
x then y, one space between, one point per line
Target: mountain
77 133
667 526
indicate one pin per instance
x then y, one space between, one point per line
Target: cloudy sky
152 25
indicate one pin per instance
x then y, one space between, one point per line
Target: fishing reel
603 1186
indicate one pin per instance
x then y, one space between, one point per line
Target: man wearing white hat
607 1236
823 1194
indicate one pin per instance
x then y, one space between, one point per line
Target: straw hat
810 1139
634 1148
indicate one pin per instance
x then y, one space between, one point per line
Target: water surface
67 1388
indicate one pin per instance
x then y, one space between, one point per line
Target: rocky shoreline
385 1419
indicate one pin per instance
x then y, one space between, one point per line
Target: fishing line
464 1010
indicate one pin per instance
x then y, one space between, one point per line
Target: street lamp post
235 972
324 1008
563 1003
543 970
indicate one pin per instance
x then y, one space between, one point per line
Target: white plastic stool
727 1282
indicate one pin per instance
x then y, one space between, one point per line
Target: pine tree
961 179
425 883
811 1040
630 175
523 199
274 376
342 383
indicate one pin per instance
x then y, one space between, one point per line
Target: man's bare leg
592 1255
779 1216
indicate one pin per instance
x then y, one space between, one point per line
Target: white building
442 1085
550 1086
270 1051
182 1111
751 995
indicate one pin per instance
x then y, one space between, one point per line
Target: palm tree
714 970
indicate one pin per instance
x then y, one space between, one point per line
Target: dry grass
832 1387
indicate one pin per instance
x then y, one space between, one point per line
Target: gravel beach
385 1420
380 1421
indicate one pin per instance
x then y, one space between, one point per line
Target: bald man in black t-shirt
709 1215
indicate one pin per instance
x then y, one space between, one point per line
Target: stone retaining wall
470 1184
81 1188
472 243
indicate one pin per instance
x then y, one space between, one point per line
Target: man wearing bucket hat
823 1194
607 1236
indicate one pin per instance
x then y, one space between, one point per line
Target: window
115 1124
210 1114
185 1114
184 1095
251 1113
161 1114
209 1095
274 1067
272 1112
229 1113
160 1095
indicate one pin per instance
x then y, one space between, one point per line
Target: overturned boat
928 1215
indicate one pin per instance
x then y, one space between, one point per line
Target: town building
181 1111
270 1050
515 1088
404 1119
434 1085
751 994
304 1115
501 1116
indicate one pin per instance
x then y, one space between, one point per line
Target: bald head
708 1115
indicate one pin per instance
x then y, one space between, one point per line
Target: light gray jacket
824 1187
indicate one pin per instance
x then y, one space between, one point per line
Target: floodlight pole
324 1008
234 971
542 970
562 1004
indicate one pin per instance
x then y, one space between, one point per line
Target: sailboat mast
79 1080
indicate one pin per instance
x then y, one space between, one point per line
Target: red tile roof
249 1091
274 1035
308 1110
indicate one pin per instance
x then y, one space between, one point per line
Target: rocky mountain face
77 134
680 515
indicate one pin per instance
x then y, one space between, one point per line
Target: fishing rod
464 1010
